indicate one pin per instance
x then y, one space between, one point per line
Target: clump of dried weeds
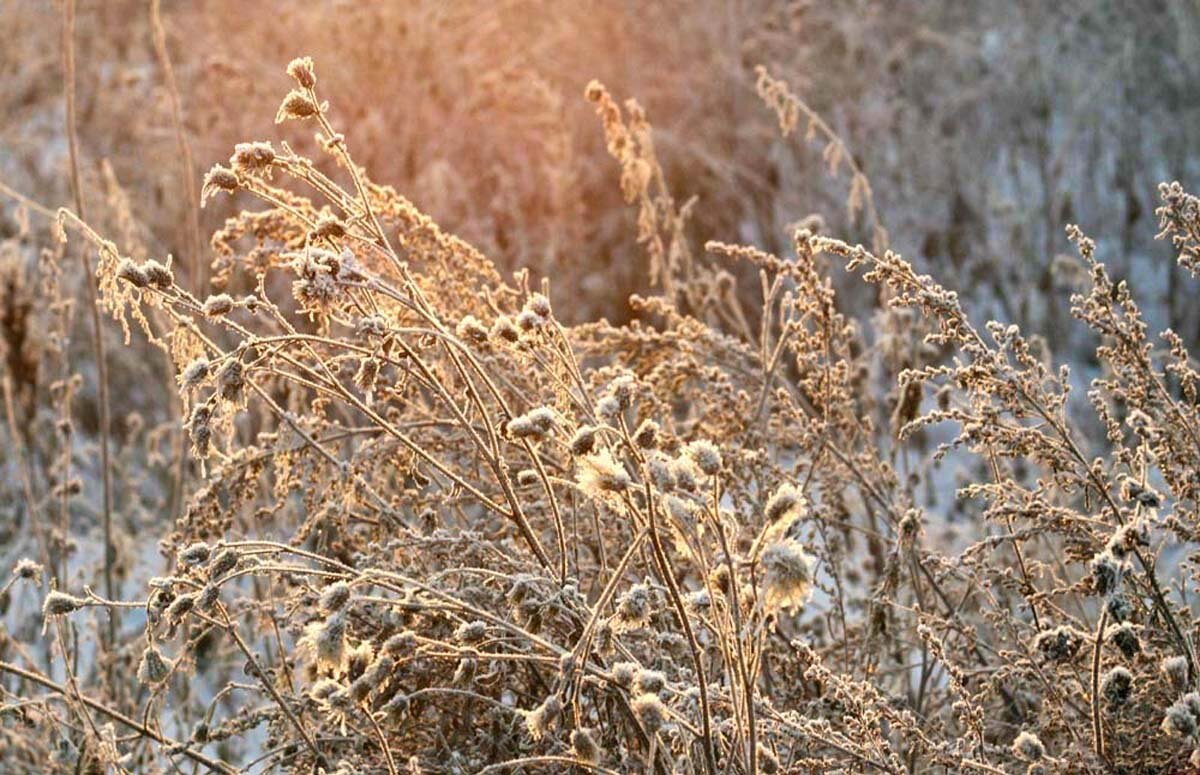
435 529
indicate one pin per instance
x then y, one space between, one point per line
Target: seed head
600 473
787 576
296 105
194 554
584 441
1175 669
218 178
1124 638
27 569
1116 686
60 603
1107 571
585 746
633 609
180 606
1060 644
503 330
650 712
231 378
335 596
194 373
1028 746
706 456
469 329
649 682
252 157
153 668
647 434
470 632
225 561
132 273
623 673
539 720
1179 721
534 425
328 227
219 305
786 501
301 68
401 644
158 275
326 641
539 305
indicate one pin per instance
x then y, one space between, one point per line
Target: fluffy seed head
158 275
27 569
301 69
296 105
1059 644
600 473
154 667
1116 686
219 305
787 575
534 425
585 746
1028 746
60 603
194 373
1175 669
706 456
132 273
194 554
650 712
584 441
335 596
539 720
1179 721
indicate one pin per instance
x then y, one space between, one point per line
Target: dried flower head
706 456
1028 746
60 603
650 712
787 576
218 305
194 554
325 642
27 569
335 596
1175 669
1125 638
153 668
1179 721
218 178
584 441
599 474
1059 644
584 746
194 373
302 70
534 425
1116 686
252 158
131 273
647 434
296 105
542 718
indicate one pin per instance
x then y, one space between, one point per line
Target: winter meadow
728 387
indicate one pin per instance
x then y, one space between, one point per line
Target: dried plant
431 527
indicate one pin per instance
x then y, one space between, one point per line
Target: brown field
537 386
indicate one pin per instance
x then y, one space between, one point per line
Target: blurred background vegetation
983 127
